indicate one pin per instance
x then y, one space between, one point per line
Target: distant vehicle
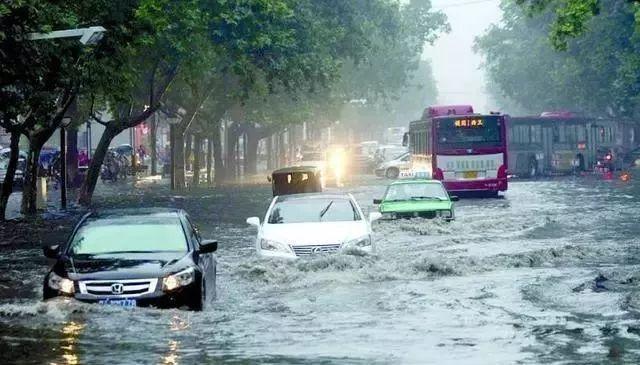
466 151
296 180
393 136
362 156
386 153
124 149
392 169
134 258
313 224
417 198
555 143
18 178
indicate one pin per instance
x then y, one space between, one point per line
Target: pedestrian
142 153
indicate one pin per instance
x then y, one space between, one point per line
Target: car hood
309 234
126 266
414 206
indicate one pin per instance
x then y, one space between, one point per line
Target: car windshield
128 234
307 210
427 191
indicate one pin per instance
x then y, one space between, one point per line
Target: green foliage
573 16
599 72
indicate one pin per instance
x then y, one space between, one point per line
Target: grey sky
455 66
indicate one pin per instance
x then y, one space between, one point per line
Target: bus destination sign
469 123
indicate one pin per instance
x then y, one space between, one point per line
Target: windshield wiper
425 198
325 210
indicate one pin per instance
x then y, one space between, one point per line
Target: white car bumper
308 251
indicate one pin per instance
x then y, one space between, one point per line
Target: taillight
438 174
502 172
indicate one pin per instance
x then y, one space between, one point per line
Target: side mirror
253 221
52 252
377 201
454 198
269 178
208 246
374 216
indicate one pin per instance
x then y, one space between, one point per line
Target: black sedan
134 258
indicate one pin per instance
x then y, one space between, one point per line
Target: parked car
313 224
391 169
18 179
130 257
387 153
417 198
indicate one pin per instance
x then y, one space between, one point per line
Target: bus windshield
468 132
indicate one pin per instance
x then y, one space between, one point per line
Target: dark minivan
134 257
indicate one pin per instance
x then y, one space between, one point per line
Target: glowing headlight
179 279
360 242
273 246
61 284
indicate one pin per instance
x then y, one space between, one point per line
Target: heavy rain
320 182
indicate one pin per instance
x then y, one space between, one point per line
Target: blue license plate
127 303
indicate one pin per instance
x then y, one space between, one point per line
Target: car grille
129 288
315 250
427 215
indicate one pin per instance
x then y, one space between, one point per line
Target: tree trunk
209 162
188 141
29 191
251 157
154 144
218 163
178 160
197 153
72 157
270 153
93 173
7 184
231 155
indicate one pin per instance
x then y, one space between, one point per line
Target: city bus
556 143
466 151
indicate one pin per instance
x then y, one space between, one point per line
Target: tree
573 16
599 72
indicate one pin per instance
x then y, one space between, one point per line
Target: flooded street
547 274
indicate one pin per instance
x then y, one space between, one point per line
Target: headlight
274 246
61 284
445 213
179 279
359 242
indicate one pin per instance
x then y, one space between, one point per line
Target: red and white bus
466 151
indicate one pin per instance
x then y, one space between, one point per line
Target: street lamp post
63 162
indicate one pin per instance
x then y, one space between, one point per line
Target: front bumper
293 256
493 185
425 214
159 298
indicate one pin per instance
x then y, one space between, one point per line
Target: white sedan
313 224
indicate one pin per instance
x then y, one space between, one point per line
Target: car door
205 261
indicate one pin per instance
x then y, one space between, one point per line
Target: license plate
471 175
126 303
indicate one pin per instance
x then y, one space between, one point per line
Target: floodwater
547 274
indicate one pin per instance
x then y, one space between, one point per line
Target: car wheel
533 168
392 173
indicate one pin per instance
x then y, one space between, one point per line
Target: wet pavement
546 274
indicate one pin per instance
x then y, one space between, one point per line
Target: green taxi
417 198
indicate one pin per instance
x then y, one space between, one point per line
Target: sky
455 66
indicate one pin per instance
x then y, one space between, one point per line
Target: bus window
536 134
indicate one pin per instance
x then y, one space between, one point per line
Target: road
546 274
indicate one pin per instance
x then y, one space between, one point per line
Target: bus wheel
392 173
533 167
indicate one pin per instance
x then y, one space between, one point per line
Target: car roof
293 169
282 198
137 212
416 181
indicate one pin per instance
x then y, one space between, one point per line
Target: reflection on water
71 332
171 356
